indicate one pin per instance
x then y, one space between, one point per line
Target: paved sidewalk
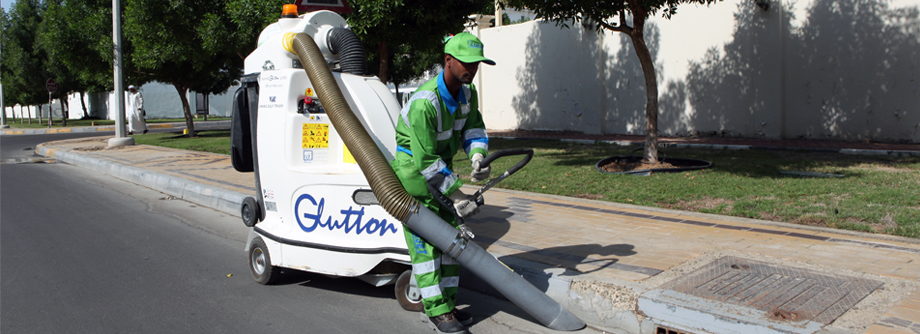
624 268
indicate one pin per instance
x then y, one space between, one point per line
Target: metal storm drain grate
783 293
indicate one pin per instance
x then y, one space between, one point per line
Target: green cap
466 48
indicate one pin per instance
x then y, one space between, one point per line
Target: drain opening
668 330
780 314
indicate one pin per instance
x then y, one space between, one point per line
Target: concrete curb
213 197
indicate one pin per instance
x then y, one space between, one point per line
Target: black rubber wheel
409 298
260 263
250 211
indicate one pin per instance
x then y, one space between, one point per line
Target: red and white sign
50 85
338 6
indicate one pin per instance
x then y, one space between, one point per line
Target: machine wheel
260 263
250 211
408 295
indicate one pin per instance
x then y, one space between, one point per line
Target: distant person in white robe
134 108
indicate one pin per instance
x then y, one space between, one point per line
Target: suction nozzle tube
398 203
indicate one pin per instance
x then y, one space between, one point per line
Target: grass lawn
877 194
206 141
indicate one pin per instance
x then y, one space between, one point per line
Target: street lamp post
120 138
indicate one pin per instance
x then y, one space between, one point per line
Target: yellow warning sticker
315 135
308 92
288 42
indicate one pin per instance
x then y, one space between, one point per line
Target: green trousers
437 274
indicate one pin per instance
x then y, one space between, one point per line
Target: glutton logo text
309 215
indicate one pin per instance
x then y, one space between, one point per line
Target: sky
6 5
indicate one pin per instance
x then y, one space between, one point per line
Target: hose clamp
463 237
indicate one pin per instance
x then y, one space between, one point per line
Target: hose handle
498 154
506 153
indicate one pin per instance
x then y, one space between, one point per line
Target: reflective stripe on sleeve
475 133
434 169
475 138
449 180
425 94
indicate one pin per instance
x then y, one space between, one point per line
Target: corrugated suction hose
386 187
348 46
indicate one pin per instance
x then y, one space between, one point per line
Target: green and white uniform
432 126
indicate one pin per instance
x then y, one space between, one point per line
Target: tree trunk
186 108
384 65
39 114
651 91
83 103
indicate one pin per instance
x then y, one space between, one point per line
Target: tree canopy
625 16
23 71
405 38
194 45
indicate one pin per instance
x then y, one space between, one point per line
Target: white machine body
307 175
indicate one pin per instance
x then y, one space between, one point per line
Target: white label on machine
270 206
315 156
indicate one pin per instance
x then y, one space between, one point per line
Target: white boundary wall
818 69
160 101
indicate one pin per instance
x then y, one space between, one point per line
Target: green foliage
23 73
407 64
410 31
196 44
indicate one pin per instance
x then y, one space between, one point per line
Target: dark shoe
464 318
145 131
131 133
446 324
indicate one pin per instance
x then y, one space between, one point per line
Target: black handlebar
509 152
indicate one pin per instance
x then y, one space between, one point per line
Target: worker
442 115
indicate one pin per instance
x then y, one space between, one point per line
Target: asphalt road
82 252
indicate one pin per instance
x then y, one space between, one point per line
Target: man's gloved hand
478 173
465 205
